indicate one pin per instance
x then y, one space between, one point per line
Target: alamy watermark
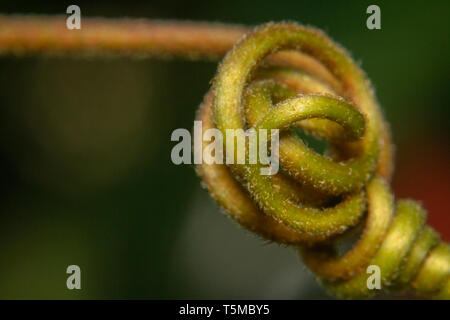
73 22
74 280
235 148
374 280
374 20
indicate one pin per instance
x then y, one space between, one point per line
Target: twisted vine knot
285 76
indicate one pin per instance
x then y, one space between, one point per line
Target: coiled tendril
284 76
315 200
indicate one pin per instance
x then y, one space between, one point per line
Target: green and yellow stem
285 76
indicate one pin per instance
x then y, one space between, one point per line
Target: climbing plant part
288 77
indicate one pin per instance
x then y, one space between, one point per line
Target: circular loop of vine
289 77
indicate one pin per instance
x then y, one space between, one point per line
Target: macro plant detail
288 77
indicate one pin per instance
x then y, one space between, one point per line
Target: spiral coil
283 76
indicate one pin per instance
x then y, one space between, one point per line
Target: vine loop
288 77
285 76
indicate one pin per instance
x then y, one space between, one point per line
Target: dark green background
85 146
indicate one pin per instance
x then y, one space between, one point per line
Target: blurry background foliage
85 155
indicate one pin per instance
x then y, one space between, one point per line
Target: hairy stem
283 76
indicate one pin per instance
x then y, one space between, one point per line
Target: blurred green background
85 146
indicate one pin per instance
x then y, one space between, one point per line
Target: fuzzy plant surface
288 77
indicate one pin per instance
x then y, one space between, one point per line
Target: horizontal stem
31 34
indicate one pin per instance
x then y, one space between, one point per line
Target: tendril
316 200
287 77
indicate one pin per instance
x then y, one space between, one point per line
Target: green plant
284 76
